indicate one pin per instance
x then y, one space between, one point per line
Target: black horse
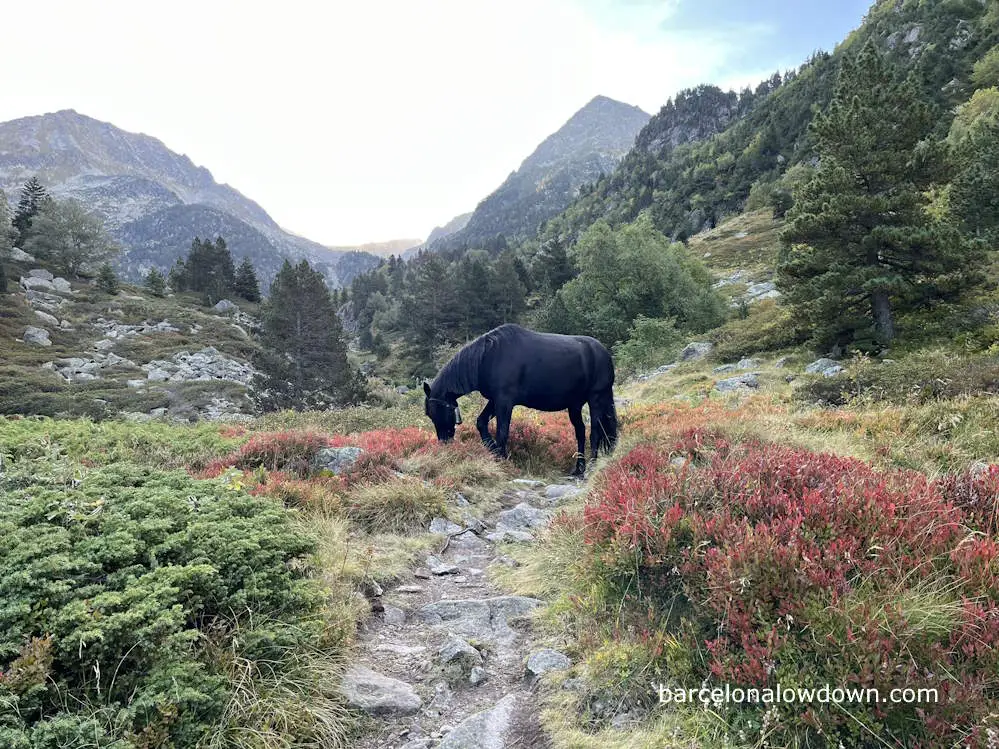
513 366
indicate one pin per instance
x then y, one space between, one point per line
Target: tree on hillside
303 363
245 283
107 281
67 235
973 197
432 309
859 244
209 269
630 272
6 239
33 199
155 283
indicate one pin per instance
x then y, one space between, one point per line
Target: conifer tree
67 235
431 311
33 198
6 240
107 280
177 278
859 244
303 362
245 283
155 283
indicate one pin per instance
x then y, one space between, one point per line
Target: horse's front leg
482 424
576 417
503 415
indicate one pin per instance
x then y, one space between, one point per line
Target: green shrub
918 378
650 343
768 327
128 595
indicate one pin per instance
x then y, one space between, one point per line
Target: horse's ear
426 388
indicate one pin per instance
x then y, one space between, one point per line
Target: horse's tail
603 422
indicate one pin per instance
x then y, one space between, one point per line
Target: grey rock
135 416
136 383
62 285
34 284
105 344
377 694
20 256
562 491
523 517
724 368
825 367
47 318
336 460
393 615
696 350
416 744
506 535
40 273
748 381
78 377
402 390
745 364
477 675
658 372
444 526
484 619
438 566
782 362
225 307
529 483
490 729
457 659
545 661
36 336
158 375
409 589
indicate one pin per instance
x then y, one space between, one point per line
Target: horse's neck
461 378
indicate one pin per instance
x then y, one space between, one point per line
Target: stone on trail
545 661
562 491
376 694
523 517
484 619
457 658
490 729
438 566
506 536
529 483
444 526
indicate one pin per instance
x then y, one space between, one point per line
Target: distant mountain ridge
591 143
154 201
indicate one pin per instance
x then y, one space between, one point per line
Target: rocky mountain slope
591 143
154 201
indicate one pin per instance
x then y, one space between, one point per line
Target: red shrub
791 564
977 493
280 451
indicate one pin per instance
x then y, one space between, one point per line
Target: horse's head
444 412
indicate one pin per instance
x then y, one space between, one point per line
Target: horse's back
546 371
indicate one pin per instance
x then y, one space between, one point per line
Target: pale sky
353 122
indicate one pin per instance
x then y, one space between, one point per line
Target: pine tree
155 282
177 278
859 244
245 283
33 198
304 354
431 311
107 281
6 240
67 235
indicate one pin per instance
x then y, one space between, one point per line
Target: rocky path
449 661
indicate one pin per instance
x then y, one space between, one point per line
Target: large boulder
40 273
523 517
336 460
696 350
36 336
20 256
32 283
748 381
483 619
825 367
225 307
379 695
62 285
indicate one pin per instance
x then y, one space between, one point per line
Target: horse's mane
461 375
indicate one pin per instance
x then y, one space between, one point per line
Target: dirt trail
449 649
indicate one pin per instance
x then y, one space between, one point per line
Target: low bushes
776 565
131 597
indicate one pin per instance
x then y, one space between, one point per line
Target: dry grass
398 506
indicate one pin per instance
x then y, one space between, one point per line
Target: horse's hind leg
576 417
482 424
504 413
